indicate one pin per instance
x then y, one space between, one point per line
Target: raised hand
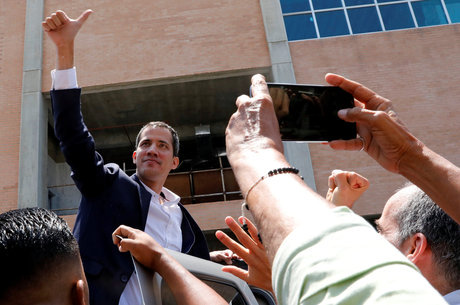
345 187
386 139
62 31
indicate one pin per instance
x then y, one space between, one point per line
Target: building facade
186 62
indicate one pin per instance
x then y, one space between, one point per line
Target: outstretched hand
386 139
251 250
345 187
61 29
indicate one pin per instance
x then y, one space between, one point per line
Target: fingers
238 272
49 24
62 16
357 181
45 26
331 182
128 233
340 177
244 238
231 244
56 20
251 228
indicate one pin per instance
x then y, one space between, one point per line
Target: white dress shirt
163 224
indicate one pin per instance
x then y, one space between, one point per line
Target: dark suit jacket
109 198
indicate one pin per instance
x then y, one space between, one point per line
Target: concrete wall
11 59
417 69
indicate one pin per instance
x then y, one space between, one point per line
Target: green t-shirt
340 259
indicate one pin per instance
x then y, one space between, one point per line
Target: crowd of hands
254 147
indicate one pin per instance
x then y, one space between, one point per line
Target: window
453 7
310 19
364 20
332 23
429 12
300 27
396 16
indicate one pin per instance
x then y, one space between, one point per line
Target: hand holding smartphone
308 113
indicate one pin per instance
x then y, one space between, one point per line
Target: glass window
383 1
300 27
364 20
429 12
322 4
453 7
332 23
292 6
358 2
396 16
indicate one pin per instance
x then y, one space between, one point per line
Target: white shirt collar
170 197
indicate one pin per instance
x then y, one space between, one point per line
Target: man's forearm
186 288
65 57
437 177
280 203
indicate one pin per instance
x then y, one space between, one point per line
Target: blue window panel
364 20
292 6
322 4
453 7
358 2
396 16
383 1
299 27
332 23
429 12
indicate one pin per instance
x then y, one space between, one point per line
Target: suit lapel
145 198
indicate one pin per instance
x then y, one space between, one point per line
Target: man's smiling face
154 157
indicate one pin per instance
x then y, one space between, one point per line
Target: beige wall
143 39
417 69
11 55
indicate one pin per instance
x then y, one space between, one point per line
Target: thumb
356 114
127 245
84 16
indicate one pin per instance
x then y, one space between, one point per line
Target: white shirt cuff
64 79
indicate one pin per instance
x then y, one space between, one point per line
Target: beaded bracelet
282 170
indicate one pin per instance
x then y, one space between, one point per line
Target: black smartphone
309 112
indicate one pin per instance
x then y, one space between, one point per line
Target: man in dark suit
109 196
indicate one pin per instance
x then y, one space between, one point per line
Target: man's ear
418 248
80 294
175 162
134 157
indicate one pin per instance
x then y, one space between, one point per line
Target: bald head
421 230
388 224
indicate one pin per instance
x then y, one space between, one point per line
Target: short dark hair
32 242
159 124
420 214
